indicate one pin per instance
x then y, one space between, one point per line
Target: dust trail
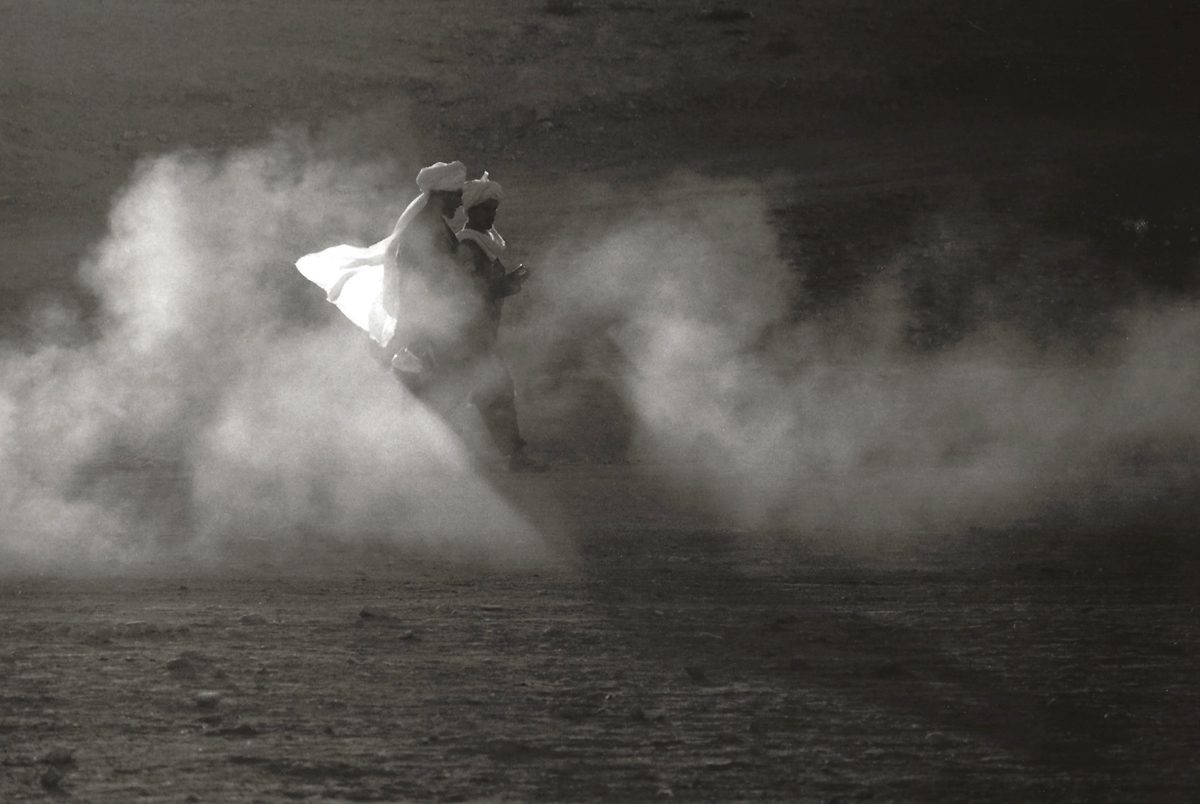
217 405
841 425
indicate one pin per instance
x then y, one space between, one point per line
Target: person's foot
406 362
522 461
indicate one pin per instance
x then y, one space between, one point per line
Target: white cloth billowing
352 276
479 190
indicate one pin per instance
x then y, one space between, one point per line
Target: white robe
352 277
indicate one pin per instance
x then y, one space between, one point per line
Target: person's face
482 216
451 200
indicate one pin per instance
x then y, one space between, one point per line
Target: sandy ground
658 652
658 661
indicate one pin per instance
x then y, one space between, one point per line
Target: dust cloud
216 404
838 424
212 410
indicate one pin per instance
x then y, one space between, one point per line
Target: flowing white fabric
352 276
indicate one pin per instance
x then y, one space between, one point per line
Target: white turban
440 176
444 176
480 190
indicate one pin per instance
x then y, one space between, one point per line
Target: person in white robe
367 284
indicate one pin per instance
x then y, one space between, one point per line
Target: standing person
368 285
419 277
492 391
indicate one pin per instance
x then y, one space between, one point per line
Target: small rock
718 763
522 117
725 15
890 670
51 779
188 664
253 619
58 757
372 613
938 739
207 699
562 8
574 713
136 628
783 620
637 714
511 751
696 674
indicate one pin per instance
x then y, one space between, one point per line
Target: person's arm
510 282
391 278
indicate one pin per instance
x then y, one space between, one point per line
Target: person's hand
521 273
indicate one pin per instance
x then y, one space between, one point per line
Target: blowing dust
214 412
840 426
216 403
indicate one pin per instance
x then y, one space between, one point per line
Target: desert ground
860 340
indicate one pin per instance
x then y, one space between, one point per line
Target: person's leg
495 398
443 389
379 354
